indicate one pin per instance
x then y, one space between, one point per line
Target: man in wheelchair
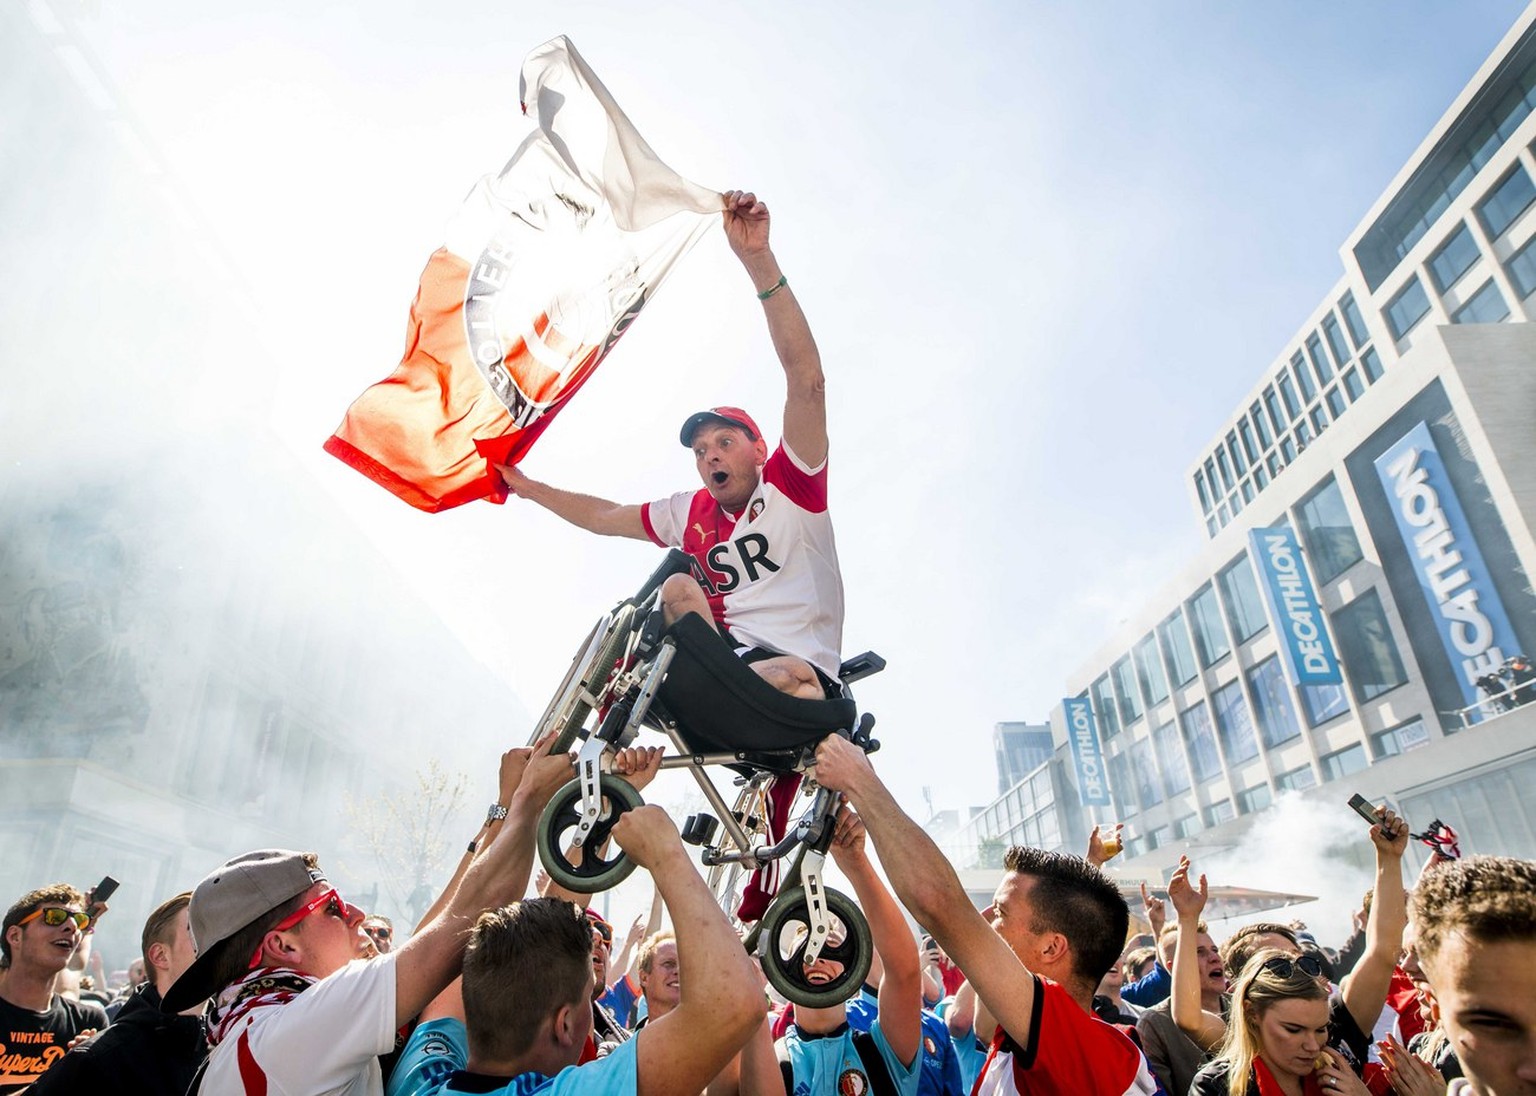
765 569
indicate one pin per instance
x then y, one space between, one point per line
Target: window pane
1327 532
1210 636
1174 641
1149 671
1253 799
1320 363
1288 394
1245 607
1149 784
1336 343
1485 306
1355 321
1272 703
1353 385
1261 422
1335 400
1288 448
1237 454
1398 740
1122 784
1272 405
1250 444
1200 489
1297 779
1407 308
1507 201
1225 469
1350 760
1372 364
1322 703
1170 758
1366 648
1200 741
1522 270
1125 690
1234 725
1104 708
1454 259
1303 378
1219 812
1319 418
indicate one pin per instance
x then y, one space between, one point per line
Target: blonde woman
1277 1035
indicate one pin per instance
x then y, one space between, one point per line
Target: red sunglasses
335 905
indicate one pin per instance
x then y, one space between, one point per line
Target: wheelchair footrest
700 829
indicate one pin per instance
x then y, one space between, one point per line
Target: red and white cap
731 416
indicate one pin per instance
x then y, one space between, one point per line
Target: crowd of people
263 979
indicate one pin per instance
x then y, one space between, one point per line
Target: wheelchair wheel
596 673
599 869
785 930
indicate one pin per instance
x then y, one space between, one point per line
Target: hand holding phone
1362 806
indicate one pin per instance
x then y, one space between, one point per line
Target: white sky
1044 247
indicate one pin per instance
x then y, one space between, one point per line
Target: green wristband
774 288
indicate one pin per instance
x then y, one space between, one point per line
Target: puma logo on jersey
698 527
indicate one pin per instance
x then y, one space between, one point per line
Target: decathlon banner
1455 581
1092 788
542 270
1293 607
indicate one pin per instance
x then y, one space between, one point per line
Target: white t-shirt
770 572
324 1042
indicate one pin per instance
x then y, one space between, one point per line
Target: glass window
1371 363
1297 779
1210 636
1335 401
1274 465
1122 784
1347 761
1237 454
1260 477
1319 418
1407 308
1303 378
1245 607
1485 306
1320 363
1272 703
1303 434
1366 649
1149 784
1288 448
1247 486
1219 812
1354 321
1149 671
1327 532
1170 758
1522 269
1335 333
1233 724
1353 385
1104 708
1454 258
1250 444
1507 201
1125 690
1390 743
1322 703
1261 423
1200 742
1272 405
1186 826
1253 799
1174 641
1288 394
1225 469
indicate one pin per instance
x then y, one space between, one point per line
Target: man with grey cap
765 565
293 1009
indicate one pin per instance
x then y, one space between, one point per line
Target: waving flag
541 271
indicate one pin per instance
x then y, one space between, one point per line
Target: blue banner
1293 607
1473 625
1092 788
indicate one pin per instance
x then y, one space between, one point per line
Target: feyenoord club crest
755 509
852 1083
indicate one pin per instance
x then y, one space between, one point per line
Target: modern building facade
1371 513
1021 748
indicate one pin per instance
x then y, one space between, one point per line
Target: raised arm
1365 990
426 963
927 885
588 512
900 997
1205 1028
722 999
805 405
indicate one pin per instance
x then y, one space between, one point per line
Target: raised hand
1156 910
1102 848
848 837
746 222
1390 835
1187 901
546 772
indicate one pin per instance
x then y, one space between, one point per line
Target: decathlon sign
1293 607
1455 581
1092 788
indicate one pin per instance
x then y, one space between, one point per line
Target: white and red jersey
770 572
1070 1052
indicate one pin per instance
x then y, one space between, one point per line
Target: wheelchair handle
859 736
676 563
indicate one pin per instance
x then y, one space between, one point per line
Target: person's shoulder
1211 1079
434 1051
616 1074
87 1013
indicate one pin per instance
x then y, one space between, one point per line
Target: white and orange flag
544 267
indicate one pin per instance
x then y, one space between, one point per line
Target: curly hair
1486 898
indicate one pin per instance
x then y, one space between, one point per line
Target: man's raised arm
805 405
595 515
927 885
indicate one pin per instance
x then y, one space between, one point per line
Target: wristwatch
496 813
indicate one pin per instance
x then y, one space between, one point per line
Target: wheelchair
633 671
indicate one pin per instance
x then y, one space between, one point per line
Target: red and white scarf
258 989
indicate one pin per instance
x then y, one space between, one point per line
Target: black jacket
144 1052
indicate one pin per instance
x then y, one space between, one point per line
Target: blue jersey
829 1065
621 999
970 1052
433 1061
941 1075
